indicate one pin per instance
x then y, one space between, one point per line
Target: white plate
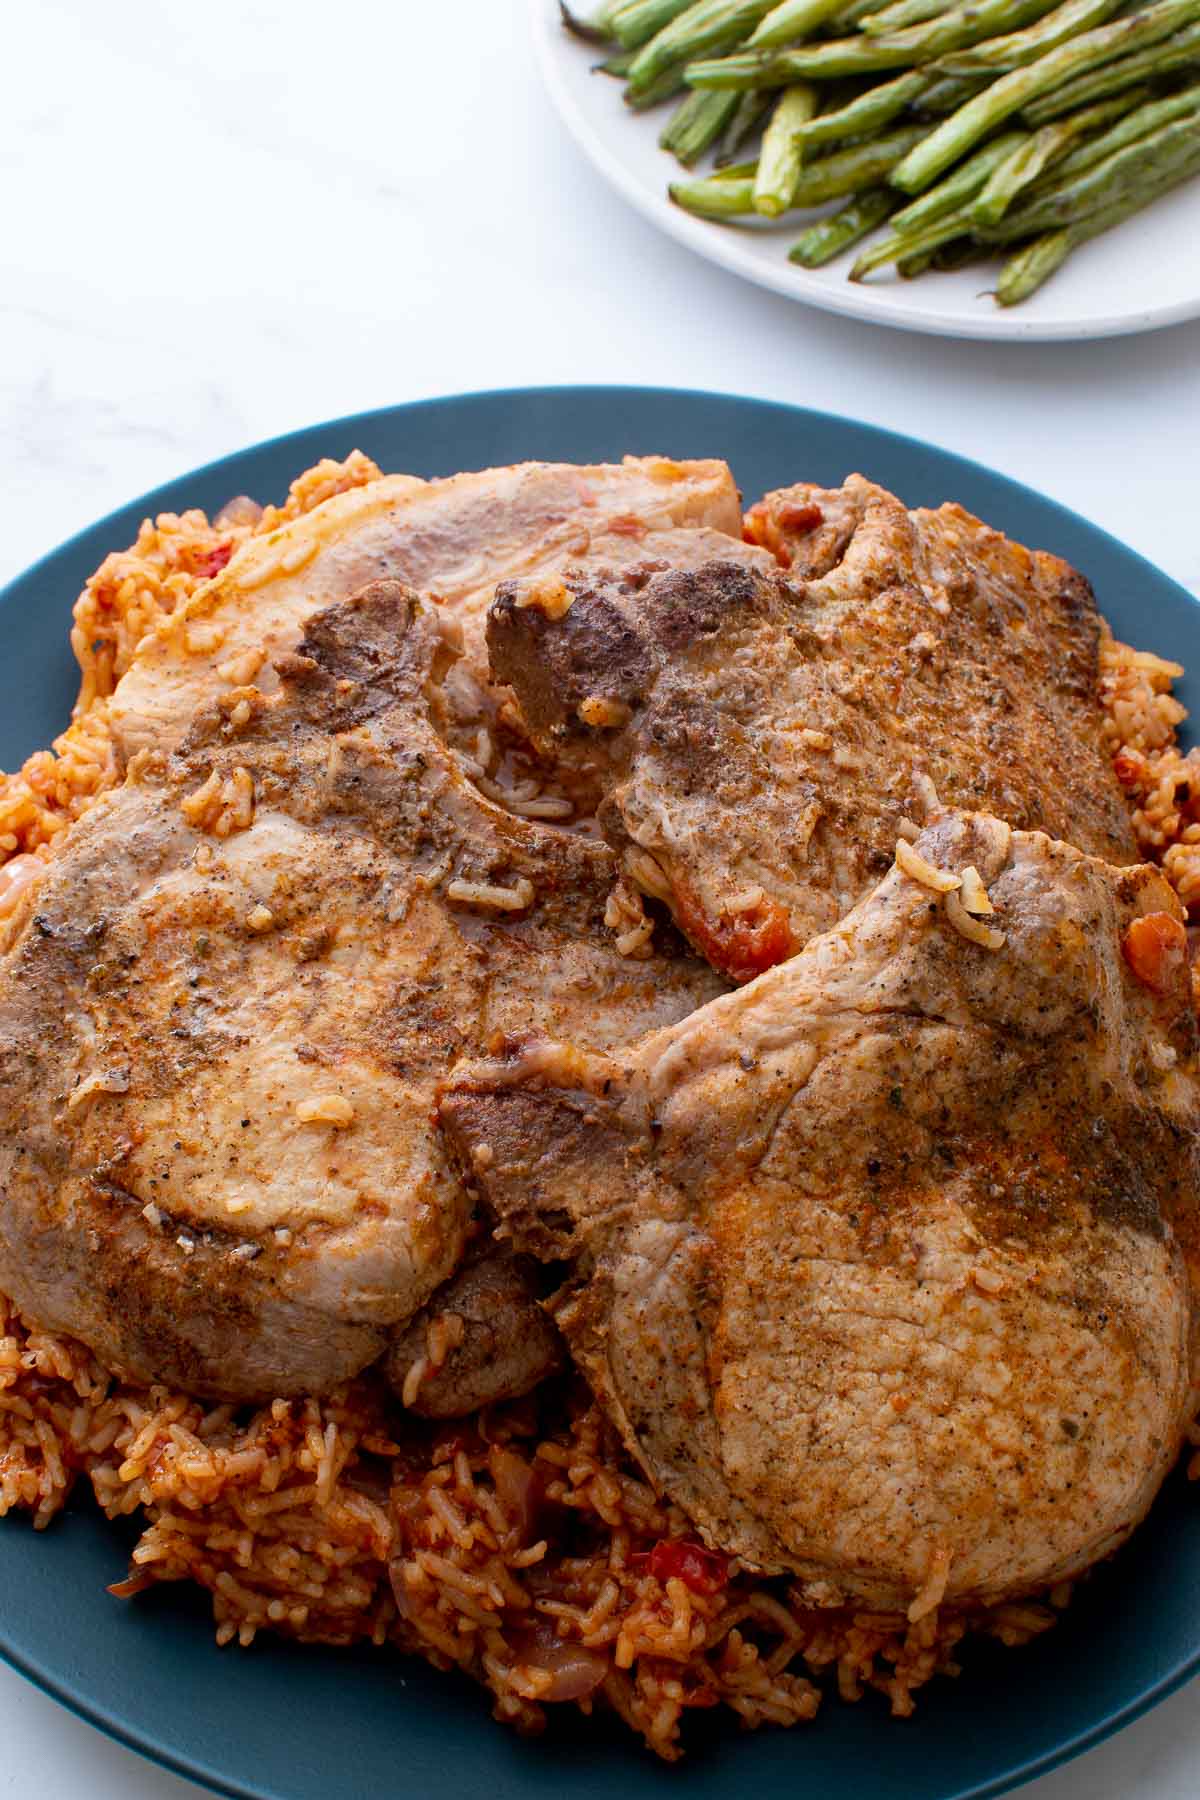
1143 275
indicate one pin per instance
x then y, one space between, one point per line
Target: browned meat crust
218 1168
881 1263
763 738
483 1337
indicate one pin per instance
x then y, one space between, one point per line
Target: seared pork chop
455 538
881 1263
226 1008
483 1337
762 737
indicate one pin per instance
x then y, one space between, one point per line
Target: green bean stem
747 70
1047 148
752 111
829 178
594 30
830 236
1017 48
904 244
858 166
927 42
663 87
696 124
782 152
1024 266
705 25
815 62
792 21
1010 93
1138 122
877 107
1028 267
1135 200
1177 52
958 254
1017 172
959 186
637 22
1105 183
902 13
852 16
946 93
717 197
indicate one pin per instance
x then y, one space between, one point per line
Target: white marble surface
223 221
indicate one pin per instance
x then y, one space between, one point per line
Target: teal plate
279 1722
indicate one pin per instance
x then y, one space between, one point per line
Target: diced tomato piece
214 560
701 1569
1155 947
758 527
800 518
756 523
741 944
1129 767
761 526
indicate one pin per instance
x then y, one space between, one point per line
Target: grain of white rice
919 868
325 1109
974 895
492 898
985 935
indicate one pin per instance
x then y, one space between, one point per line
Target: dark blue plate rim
165 497
158 498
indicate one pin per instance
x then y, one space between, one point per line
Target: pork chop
762 736
880 1264
226 1007
483 1337
455 538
